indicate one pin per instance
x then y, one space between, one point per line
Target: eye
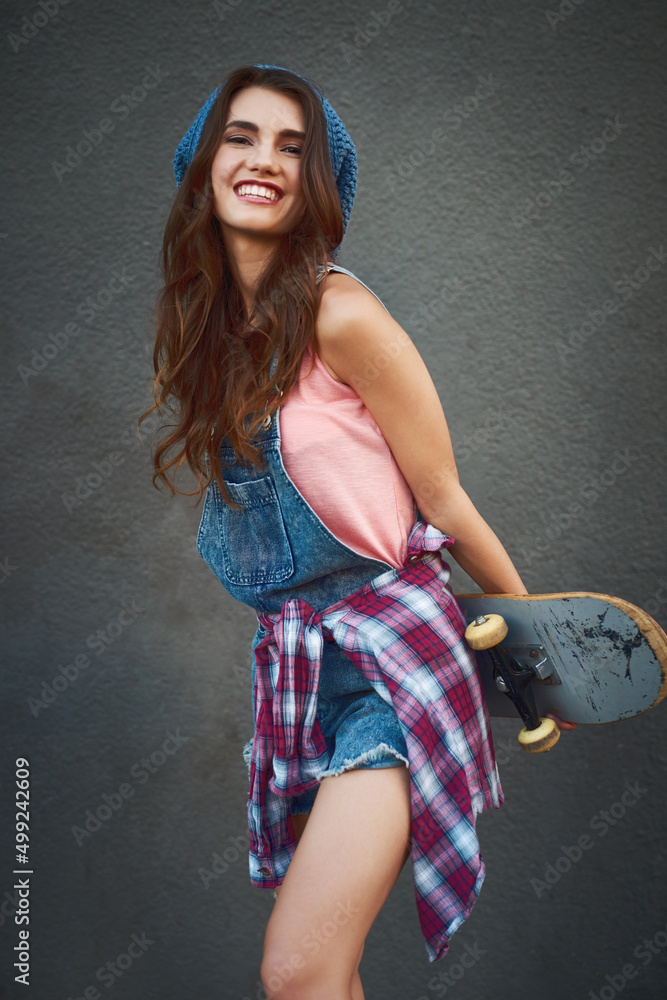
294 150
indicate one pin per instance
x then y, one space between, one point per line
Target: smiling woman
256 172
369 720
240 275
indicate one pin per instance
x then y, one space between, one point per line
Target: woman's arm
368 350
477 548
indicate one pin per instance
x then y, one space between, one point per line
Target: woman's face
256 172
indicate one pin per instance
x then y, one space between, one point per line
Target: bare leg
349 855
356 987
357 990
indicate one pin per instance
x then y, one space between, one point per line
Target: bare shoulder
351 318
344 305
344 297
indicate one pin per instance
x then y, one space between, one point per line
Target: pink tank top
336 456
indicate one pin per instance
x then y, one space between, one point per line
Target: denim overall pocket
253 540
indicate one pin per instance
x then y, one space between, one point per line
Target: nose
262 156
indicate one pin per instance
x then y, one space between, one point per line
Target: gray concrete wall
523 228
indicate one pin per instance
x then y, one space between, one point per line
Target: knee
289 973
285 973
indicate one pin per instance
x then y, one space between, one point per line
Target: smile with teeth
257 191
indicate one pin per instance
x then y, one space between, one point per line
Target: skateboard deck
589 658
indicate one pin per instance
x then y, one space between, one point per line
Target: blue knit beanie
341 148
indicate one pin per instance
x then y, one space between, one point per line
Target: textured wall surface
512 245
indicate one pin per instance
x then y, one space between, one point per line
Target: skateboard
588 658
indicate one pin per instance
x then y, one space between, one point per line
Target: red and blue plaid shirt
405 632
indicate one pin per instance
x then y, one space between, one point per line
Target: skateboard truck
514 678
534 656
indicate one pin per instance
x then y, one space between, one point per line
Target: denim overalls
277 548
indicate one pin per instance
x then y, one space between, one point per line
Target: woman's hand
560 723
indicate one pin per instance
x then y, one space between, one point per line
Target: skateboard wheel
492 631
538 740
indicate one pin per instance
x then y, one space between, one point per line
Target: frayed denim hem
375 758
370 760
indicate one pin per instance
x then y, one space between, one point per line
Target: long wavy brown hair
211 363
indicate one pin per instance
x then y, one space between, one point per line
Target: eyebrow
286 133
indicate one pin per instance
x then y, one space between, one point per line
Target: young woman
317 436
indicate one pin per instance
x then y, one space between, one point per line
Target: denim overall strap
343 270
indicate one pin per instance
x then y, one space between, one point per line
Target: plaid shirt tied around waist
405 632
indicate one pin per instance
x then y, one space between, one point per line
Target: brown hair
208 360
